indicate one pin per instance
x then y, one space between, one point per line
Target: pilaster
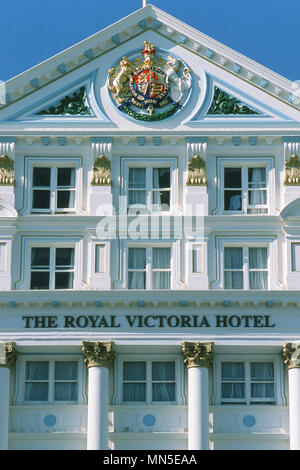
101 202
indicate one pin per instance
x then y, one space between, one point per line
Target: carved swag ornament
197 354
7 171
292 171
196 172
102 172
291 355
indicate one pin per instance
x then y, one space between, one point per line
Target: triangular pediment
77 79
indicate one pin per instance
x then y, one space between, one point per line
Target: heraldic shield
149 89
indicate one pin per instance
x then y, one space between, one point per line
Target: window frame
57 242
149 164
149 359
53 163
251 242
51 359
245 162
149 261
52 265
247 359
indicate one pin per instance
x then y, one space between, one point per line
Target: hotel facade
149 246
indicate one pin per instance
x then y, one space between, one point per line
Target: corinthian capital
8 355
197 354
98 354
291 355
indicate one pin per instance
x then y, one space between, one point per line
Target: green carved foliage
74 105
223 104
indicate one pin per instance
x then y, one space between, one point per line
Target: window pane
233 371
233 200
40 257
36 370
40 199
161 177
36 391
134 371
258 258
232 178
262 371
161 280
137 258
134 392
161 258
64 258
233 258
233 390
258 280
137 178
39 280
66 177
233 280
64 280
163 392
66 370
65 199
256 178
65 392
163 371
41 177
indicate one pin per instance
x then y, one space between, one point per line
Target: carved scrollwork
7 171
197 354
292 171
196 172
98 354
10 355
102 172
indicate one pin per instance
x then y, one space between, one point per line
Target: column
98 358
198 358
8 357
291 359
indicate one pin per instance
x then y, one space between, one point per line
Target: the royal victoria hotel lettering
149 321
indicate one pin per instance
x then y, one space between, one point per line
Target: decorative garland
73 105
225 104
153 117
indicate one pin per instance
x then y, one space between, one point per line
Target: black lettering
221 321
258 321
112 322
131 320
177 321
246 318
27 321
69 321
82 321
234 321
103 323
204 323
146 321
185 321
267 325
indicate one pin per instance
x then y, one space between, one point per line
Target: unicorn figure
178 84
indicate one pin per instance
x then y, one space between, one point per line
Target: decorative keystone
197 354
291 355
98 354
196 172
292 171
102 172
9 356
7 171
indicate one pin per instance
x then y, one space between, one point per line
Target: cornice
153 19
126 298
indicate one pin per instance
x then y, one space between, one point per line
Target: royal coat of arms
151 88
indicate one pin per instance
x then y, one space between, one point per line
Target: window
295 247
100 258
246 268
149 268
247 382
149 188
53 189
2 257
52 267
51 381
149 381
245 190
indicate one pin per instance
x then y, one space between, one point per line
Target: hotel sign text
148 321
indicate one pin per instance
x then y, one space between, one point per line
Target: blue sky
266 31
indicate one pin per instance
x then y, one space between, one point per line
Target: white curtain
137 186
258 260
257 192
66 375
161 260
66 179
36 381
163 381
134 377
233 260
64 277
233 375
263 374
136 268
